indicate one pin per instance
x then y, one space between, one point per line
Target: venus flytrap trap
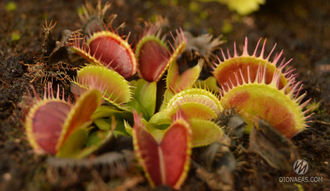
56 126
107 48
165 162
176 82
152 55
205 132
260 88
195 103
114 88
200 106
281 109
248 64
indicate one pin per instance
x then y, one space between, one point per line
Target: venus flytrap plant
195 103
176 82
56 126
280 108
114 123
107 48
162 140
200 106
258 87
154 58
210 83
114 88
205 132
165 162
144 97
152 55
249 64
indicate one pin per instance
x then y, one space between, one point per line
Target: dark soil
300 27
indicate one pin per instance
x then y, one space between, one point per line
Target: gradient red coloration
149 151
112 54
281 108
164 163
152 60
227 73
185 80
241 98
266 107
174 148
48 123
275 112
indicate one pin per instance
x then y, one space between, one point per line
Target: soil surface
300 27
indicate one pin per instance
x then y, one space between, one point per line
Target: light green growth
110 118
194 6
94 141
243 7
128 128
205 132
161 118
155 131
96 138
227 27
114 87
210 84
144 98
15 36
73 144
299 187
186 25
102 124
148 4
174 2
210 30
167 97
204 15
164 2
106 111
197 20
80 10
195 103
313 106
177 82
11 6
117 124
153 18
